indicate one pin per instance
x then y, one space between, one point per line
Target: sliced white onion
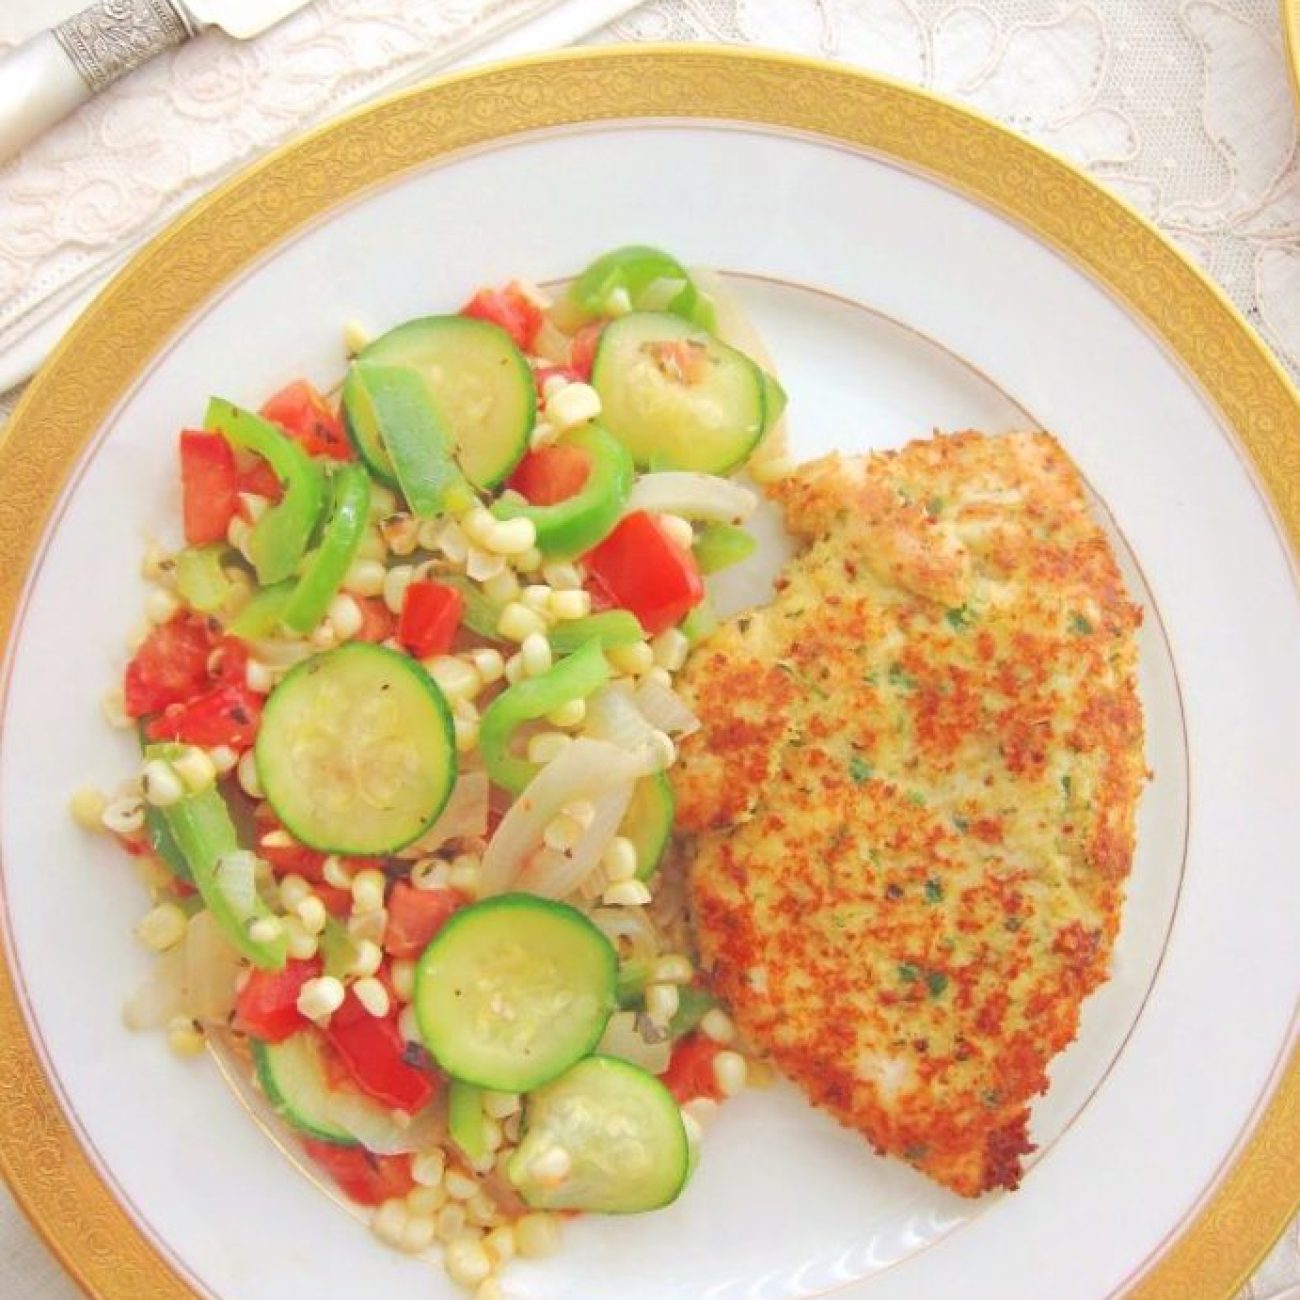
664 709
161 997
377 1130
280 654
552 874
551 344
585 769
623 1039
694 496
236 878
464 817
631 932
211 969
613 716
659 293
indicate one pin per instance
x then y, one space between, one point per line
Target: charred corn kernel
196 769
367 958
303 944
184 1037
408 1026
500 1244
562 832
626 893
678 530
368 927
450 1221
572 713
162 927
670 648
249 782
518 622
717 1025
373 996
574 404
537 1235
224 759
320 997
673 968
87 808
266 929
562 576
489 665
730 1073
456 679
501 1105
311 912
160 605
402 974
365 578
466 1261
113 704
511 536
633 659
430 873
659 676
345 617
335 873
544 433
514 669
322 636
293 889
619 860
417 1233
428 1167
355 336
547 745
569 603
162 787
258 677
466 730
536 654
368 890
459 1186
502 588
426 1200
389 1221
396 581
661 1002
482 565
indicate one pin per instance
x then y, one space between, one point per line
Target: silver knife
46 77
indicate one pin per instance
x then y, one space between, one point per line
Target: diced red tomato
510 308
297 859
208 486
639 567
431 613
226 715
377 623
374 1052
267 1006
416 915
259 479
690 1072
543 373
365 1177
170 666
582 348
307 417
551 474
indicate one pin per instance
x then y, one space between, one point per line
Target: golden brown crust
914 792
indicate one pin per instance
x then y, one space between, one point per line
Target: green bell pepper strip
719 546
465 1120
200 580
262 616
576 524
701 622
163 843
575 677
635 268
692 1006
202 830
338 949
279 539
480 615
396 401
328 566
612 628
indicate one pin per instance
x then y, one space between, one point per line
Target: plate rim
1291 43
50 1175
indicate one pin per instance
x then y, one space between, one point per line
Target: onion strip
694 496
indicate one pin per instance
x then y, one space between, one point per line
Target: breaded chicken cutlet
914 790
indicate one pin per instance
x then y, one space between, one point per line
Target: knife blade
48 76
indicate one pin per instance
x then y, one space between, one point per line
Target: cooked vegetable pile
405 702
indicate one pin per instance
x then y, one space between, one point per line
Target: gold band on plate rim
51 1176
1291 42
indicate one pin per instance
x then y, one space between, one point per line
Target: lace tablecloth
1183 107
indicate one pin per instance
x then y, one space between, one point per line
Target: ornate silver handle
49 75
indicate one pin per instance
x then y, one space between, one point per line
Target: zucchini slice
513 990
648 822
607 1136
676 396
356 751
477 381
293 1078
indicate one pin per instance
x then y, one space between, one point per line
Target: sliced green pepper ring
576 524
346 526
634 268
576 677
279 538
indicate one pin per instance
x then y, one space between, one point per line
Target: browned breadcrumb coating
914 793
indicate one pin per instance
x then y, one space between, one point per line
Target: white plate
893 305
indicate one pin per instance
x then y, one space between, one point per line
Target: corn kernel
428 1167
450 1221
661 1002
162 787
303 944
417 1234
184 1037
365 578
426 1200
729 1073
670 648
311 912
659 676
408 1026
673 968
396 581
511 536
483 565
161 928
266 929
448 538
562 832
335 873
466 1261
368 927
430 873
501 1105
249 781
87 808
224 759
368 890
537 1235
489 665
355 336
196 769
481 1209
402 974
478 524
322 636
545 746
466 734
536 654
367 958
459 1186
373 996
382 501
456 679
626 893
113 704
389 1221
320 997
258 677
500 1244
633 659
702 1110
544 433
678 530
573 405
619 860
518 622
569 603
572 713
160 606
464 877
717 1025
514 669
345 617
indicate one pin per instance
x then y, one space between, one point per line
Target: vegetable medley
405 703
